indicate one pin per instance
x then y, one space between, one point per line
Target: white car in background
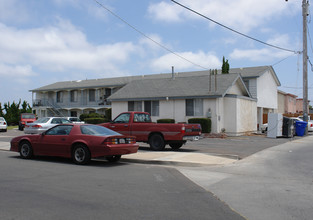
3 124
75 120
43 124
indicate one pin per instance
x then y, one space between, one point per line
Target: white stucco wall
267 91
235 115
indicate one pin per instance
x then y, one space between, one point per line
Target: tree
13 111
1 111
225 66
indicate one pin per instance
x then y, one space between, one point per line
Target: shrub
108 113
95 120
204 122
83 116
166 120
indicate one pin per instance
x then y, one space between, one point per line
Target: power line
237 32
146 36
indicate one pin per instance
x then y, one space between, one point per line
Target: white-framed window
152 107
92 95
194 107
135 106
73 95
59 96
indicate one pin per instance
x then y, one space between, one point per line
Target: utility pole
305 13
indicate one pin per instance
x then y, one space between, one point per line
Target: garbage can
300 127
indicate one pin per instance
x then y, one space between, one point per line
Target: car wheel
114 158
81 154
26 150
156 142
176 146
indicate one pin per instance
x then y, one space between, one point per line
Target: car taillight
183 130
4 123
311 125
36 126
112 141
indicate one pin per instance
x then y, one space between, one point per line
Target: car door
121 124
140 125
56 141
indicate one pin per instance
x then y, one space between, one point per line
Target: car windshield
42 120
1 119
97 130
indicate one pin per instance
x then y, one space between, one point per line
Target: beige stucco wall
240 115
281 103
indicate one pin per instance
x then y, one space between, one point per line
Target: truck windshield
28 116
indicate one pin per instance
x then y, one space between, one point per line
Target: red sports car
81 142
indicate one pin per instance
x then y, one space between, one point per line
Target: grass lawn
12 127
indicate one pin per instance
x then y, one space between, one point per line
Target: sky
42 42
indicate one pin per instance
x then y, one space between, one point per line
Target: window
142 118
59 96
152 107
73 96
135 106
60 130
73 113
92 95
122 118
194 107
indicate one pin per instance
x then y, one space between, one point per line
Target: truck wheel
176 146
156 142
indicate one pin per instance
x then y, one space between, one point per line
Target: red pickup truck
139 124
26 118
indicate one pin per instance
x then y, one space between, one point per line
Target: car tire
26 150
176 146
81 154
156 142
113 158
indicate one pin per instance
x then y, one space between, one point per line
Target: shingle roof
121 81
179 87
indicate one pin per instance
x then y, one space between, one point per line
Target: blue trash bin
300 127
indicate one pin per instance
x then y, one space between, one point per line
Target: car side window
56 121
142 118
60 130
123 118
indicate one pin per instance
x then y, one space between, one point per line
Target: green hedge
108 113
204 122
95 120
166 120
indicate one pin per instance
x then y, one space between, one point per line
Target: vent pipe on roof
173 74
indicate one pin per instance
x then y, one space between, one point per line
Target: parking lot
206 151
